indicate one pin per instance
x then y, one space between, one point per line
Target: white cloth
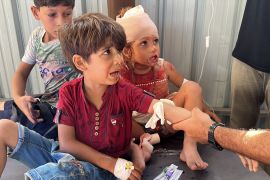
158 114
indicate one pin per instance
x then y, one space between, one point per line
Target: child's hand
147 149
25 105
145 136
136 174
152 138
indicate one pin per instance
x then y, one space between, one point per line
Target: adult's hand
196 126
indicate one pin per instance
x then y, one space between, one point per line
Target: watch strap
211 137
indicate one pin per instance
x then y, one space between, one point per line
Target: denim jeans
7 112
41 155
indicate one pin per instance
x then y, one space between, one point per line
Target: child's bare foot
147 149
191 156
137 156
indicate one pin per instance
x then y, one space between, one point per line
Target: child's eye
107 51
143 43
52 14
68 14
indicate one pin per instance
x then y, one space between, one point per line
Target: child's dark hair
88 33
122 11
53 3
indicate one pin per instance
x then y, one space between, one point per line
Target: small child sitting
147 70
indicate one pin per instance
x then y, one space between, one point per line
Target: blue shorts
46 162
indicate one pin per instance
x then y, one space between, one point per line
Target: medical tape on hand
123 169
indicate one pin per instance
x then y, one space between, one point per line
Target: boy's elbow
63 147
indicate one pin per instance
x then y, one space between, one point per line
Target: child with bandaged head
147 70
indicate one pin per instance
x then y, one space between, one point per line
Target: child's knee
192 87
7 128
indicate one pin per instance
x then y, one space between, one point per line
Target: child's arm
175 77
69 143
18 90
172 113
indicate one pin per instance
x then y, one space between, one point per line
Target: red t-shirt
108 129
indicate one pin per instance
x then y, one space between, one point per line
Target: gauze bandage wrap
123 169
137 24
158 114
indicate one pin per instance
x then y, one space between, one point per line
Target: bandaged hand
123 169
158 114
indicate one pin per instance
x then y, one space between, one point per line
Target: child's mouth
153 59
115 74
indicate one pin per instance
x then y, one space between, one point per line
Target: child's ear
35 12
127 53
79 62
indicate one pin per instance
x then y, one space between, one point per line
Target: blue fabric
71 170
46 128
32 149
7 112
41 155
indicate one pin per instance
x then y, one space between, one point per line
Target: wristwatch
211 137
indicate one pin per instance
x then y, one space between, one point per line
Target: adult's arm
254 144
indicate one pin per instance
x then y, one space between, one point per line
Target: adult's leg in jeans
247 95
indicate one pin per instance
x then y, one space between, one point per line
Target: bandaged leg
123 169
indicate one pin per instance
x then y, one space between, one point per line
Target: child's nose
118 58
61 21
154 47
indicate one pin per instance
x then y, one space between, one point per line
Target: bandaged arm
170 113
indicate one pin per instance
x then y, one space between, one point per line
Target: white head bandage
123 169
137 24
